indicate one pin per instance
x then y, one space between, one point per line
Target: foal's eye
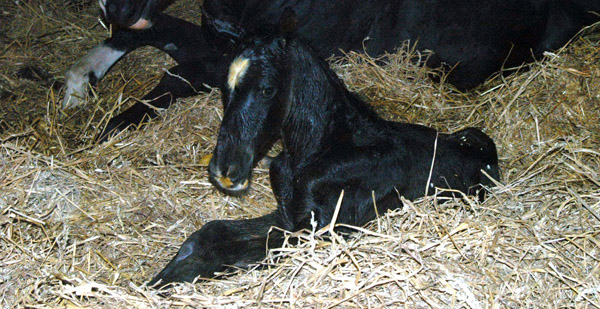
268 92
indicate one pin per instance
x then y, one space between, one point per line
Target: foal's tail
221 245
477 145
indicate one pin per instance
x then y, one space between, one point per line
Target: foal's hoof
194 259
74 93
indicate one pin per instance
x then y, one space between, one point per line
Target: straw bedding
85 225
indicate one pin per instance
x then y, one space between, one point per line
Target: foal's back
388 156
458 159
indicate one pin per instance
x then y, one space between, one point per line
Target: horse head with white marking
255 102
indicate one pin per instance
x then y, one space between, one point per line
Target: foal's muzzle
231 175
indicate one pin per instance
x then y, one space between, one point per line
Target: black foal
332 141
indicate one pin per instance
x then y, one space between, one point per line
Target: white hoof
97 61
76 89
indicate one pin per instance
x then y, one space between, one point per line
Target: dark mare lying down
475 38
279 88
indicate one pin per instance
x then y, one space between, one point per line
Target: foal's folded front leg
221 245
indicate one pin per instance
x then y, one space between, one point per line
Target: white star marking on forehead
238 68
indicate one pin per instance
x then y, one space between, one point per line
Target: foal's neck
322 111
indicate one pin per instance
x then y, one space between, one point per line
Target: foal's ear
287 23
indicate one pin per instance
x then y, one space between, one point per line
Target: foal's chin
226 186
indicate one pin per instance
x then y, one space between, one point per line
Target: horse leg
220 245
181 81
89 69
223 243
281 176
370 187
172 35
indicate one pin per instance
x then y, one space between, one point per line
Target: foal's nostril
112 8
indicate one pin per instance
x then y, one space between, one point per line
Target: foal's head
256 104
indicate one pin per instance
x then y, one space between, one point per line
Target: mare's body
472 38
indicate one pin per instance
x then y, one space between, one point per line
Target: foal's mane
322 110
298 50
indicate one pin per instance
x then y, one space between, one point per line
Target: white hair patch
238 68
